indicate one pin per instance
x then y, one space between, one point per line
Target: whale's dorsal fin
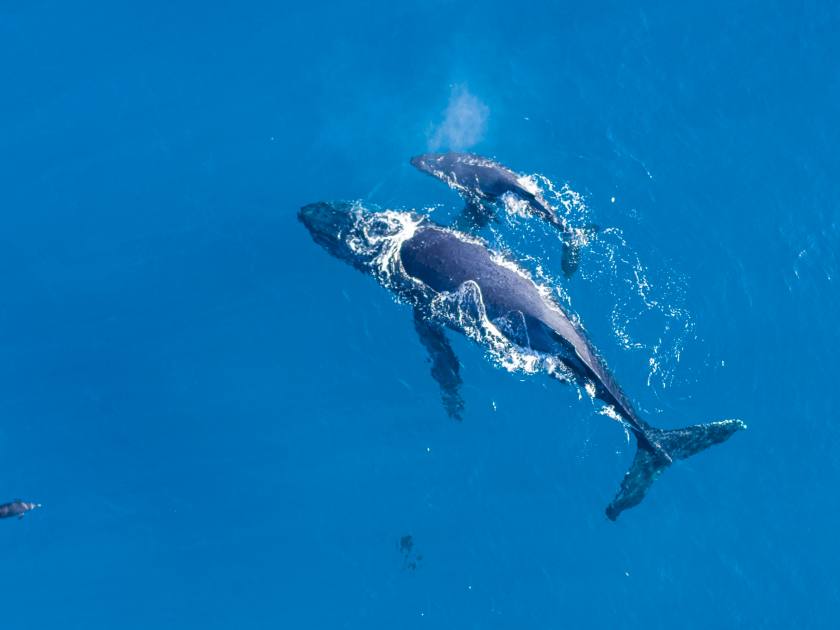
512 325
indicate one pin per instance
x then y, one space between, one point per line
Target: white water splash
464 310
610 266
378 237
639 302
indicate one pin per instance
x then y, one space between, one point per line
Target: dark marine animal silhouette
17 508
455 282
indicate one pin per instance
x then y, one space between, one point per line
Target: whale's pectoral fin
657 449
474 216
445 366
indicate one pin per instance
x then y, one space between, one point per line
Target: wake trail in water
648 315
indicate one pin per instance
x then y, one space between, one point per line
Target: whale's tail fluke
650 462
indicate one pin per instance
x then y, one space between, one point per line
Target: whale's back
444 261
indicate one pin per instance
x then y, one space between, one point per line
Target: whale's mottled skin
17 508
477 179
427 264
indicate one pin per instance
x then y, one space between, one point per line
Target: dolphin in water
454 281
478 179
18 508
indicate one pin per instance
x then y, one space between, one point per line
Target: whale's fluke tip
657 449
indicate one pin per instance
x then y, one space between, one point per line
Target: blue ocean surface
228 428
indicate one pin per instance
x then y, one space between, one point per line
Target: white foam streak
640 297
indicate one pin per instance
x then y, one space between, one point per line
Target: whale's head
428 162
353 234
456 169
331 226
431 163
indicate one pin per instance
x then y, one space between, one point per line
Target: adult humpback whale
454 281
478 179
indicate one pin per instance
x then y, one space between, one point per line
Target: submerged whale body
17 508
455 282
478 179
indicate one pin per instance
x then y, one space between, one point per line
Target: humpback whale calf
478 179
17 508
454 281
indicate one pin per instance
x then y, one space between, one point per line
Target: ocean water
230 429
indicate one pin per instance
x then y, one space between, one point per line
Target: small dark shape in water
17 508
406 543
410 559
